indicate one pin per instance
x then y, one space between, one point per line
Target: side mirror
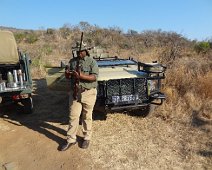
30 61
28 58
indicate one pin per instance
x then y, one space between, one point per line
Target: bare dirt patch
122 141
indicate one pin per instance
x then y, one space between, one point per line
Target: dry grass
205 85
134 143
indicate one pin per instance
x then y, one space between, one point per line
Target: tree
85 26
132 32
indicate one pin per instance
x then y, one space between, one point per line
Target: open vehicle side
15 77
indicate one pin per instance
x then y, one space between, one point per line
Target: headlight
153 85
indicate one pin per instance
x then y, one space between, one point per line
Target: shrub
202 47
19 37
36 62
49 31
204 88
65 32
47 49
31 38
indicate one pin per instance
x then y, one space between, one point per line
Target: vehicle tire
1 100
145 111
99 112
27 105
4 100
149 110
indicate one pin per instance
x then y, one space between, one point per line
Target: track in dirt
31 141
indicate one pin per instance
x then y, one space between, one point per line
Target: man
82 100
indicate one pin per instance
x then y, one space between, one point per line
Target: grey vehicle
123 84
15 77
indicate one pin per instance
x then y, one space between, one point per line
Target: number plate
124 98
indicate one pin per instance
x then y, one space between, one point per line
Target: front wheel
28 105
145 111
149 110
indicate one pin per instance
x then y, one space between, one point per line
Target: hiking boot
85 144
66 146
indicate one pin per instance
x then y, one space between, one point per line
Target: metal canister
2 86
20 77
24 76
15 76
1 78
9 77
1 89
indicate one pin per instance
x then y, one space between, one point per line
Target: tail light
20 96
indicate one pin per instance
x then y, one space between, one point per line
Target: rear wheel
28 105
1 99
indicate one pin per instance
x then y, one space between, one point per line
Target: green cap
77 47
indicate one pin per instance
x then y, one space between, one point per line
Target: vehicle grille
137 86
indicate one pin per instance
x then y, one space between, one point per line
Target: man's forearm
90 77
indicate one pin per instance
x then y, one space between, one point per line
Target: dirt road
122 141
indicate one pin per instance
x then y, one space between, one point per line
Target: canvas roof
8 48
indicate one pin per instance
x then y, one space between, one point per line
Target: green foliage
202 47
210 42
132 32
50 31
47 49
31 38
65 32
36 62
19 37
84 26
47 64
125 45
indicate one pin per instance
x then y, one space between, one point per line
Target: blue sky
191 18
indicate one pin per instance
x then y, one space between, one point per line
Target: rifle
76 81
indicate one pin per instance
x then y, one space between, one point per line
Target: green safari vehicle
15 77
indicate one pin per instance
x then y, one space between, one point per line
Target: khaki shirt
87 66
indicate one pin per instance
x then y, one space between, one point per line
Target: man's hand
68 73
75 74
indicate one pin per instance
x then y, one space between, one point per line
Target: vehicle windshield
102 63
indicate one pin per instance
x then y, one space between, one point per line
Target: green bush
47 49
202 47
31 38
210 44
19 37
125 45
36 62
47 64
50 31
65 32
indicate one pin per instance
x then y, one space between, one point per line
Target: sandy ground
123 141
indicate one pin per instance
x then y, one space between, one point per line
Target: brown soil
122 141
